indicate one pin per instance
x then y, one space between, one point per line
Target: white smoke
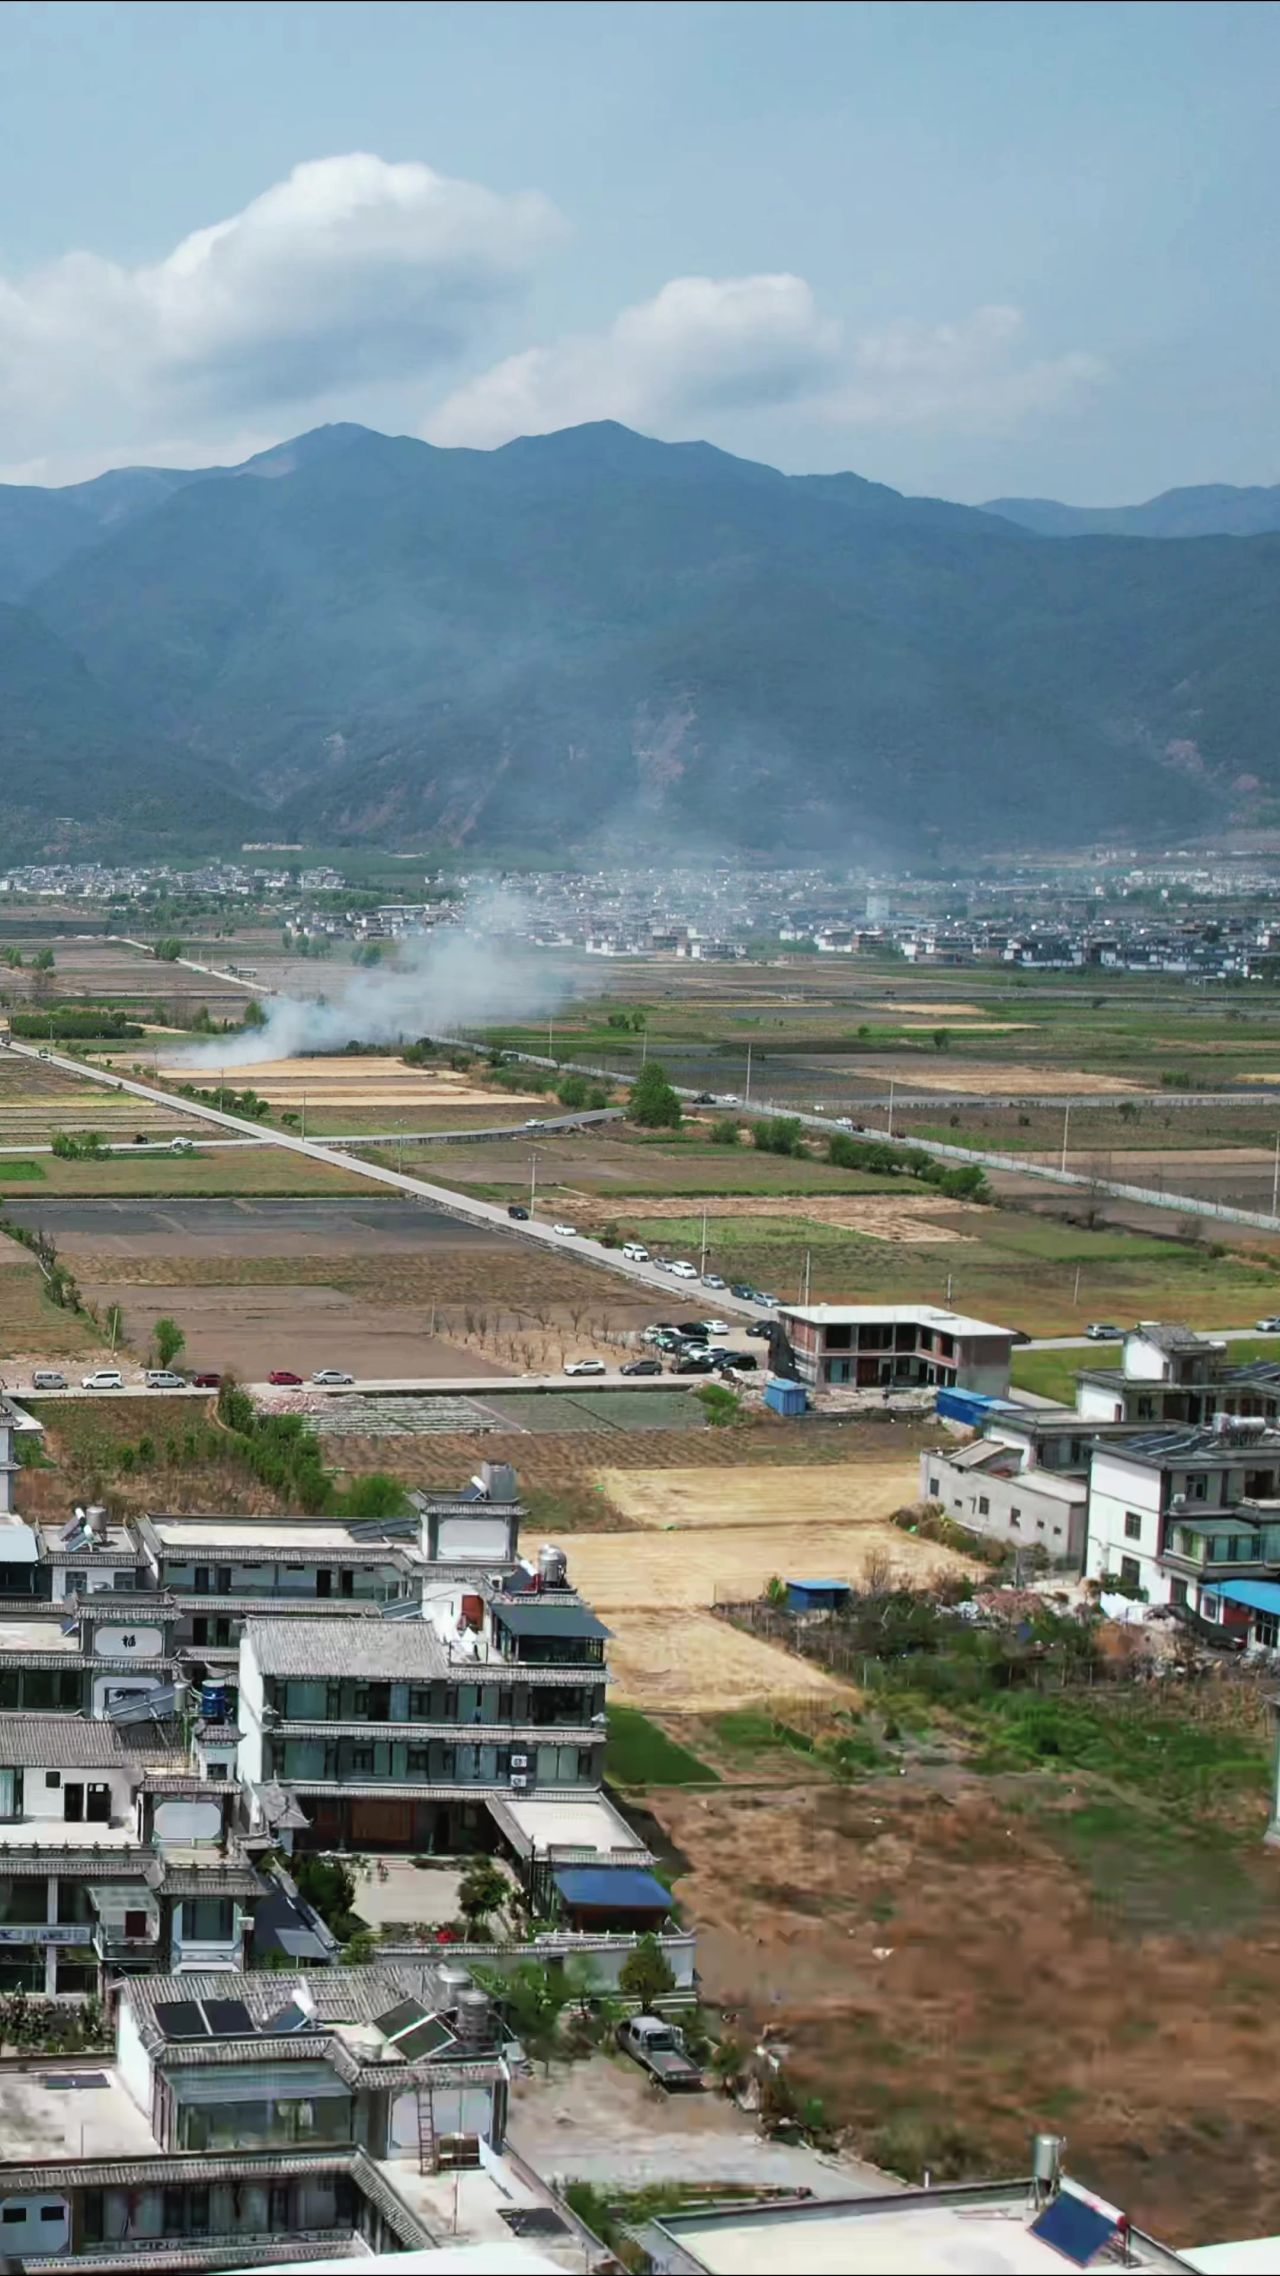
474 972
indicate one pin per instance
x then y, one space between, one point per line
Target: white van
636 1252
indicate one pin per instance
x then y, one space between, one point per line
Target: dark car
693 1328
517 1209
207 1381
744 1359
285 1378
642 1367
760 1328
694 1363
704 1098
740 1288
668 1341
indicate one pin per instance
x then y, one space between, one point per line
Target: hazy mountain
1213 509
591 636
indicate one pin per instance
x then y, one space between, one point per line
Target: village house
893 1346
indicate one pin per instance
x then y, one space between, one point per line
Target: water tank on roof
553 1569
453 1981
498 1480
213 1703
95 1518
473 2017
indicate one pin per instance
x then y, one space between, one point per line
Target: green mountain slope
1211 509
591 636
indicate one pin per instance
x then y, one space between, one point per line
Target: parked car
668 1341
761 1296
585 1367
694 1363
517 1210
566 1232
643 1367
741 1290
207 1381
285 1379
165 1379
1103 1331
843 1122
704 1098
759 1328
712 1280
693 1328
656 1329
658 2047
1270 1327
333 1375
681 1269
103 1379
533 1123
717 1328
739 1363
636 1252
48 1379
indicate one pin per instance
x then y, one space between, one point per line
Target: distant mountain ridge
1210 509
591 639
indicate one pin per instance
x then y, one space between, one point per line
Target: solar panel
426 2038
1074 2228
399 2017
71 1533
181 2019
289 2018
229 2018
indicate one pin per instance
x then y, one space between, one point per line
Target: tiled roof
77 1742
216 1879
244 2165
386 1651
277 1607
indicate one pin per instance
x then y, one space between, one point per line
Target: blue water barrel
213 1703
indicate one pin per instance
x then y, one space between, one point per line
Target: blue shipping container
784 1396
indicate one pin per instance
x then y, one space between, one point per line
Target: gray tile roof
277 1607
242 2165
383 1651
79 1742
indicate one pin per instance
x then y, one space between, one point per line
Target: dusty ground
622 1573
698 1665
951 1979
858 1493
994 1078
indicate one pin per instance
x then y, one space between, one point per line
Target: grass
1187 1766
253 1170
1052 1374
20 1173
1151 1876
638 1753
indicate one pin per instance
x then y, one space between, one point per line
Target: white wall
128 1642
1143 1362
1118 1490
32 2235
473 1538
1098 1404
454 2110
133 2063
249 1716
109 1687
42 1801
1017 1511
187 1821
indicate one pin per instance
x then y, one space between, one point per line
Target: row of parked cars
689 1348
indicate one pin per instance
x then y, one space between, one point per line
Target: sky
968 249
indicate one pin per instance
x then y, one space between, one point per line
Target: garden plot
914 1218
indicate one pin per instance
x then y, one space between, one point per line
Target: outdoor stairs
428 2148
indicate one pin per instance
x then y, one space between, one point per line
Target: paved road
1093 1343
462 1206
127 1146
429 1386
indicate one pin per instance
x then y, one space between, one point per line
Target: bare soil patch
993 1078
856 1493
913 1218
699 1665
645 1571
356 1081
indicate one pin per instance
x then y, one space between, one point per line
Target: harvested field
572 1459
855 1493
700 1665
631 1572
988 1078
909 1217
328 1082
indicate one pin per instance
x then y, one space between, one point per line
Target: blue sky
972 249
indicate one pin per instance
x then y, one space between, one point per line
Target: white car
585 1367
1269 1327
636 1252
165 1379
331 1375
717 1327
681 1269
566 1232
103 1379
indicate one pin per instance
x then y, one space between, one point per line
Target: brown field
987 1078
699 1665
329 1082
622 1573
861 1492
569 1461
907 1217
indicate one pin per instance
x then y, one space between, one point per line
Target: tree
483 1889
726 1132
533 1999
168 951
253 1014
376 1495
644 1974
573 1091
43 962
941 1038
168 1340
654 1104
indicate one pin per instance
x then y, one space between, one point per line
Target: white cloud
975 374
352 271
702 345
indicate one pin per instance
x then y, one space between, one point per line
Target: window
207 1920
1209 1606
1130 1571
14 2216
1198 1488
584 1763
53 1778
933 1489
51 2212
362 1759
418 1762
1266 1630
1132 1525
1177 1592
984 1506
420 1706
1015 1520
1146 1410
91 2209
215 1771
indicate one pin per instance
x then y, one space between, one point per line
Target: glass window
1130 1571
1132 1525
207 1920
984 1506
24 1901
1266 1630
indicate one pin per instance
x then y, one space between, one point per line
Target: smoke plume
474 972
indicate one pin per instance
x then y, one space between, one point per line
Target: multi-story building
1178 1513
1172 1377
390 1734
889 1346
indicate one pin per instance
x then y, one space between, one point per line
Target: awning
18 1544
1260 1596
543 1619
612 1888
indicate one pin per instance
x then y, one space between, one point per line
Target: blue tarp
1260 1596
618 1888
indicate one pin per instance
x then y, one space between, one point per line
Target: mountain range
594 640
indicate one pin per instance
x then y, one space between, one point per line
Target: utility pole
533 1180
747 1094
808 1271
703 1266
889 1131
1066 1125
1275 1181
304 1114
1075 1293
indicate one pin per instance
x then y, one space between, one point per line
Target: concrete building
998 1486
888 1346
1176 1513
1169 1375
